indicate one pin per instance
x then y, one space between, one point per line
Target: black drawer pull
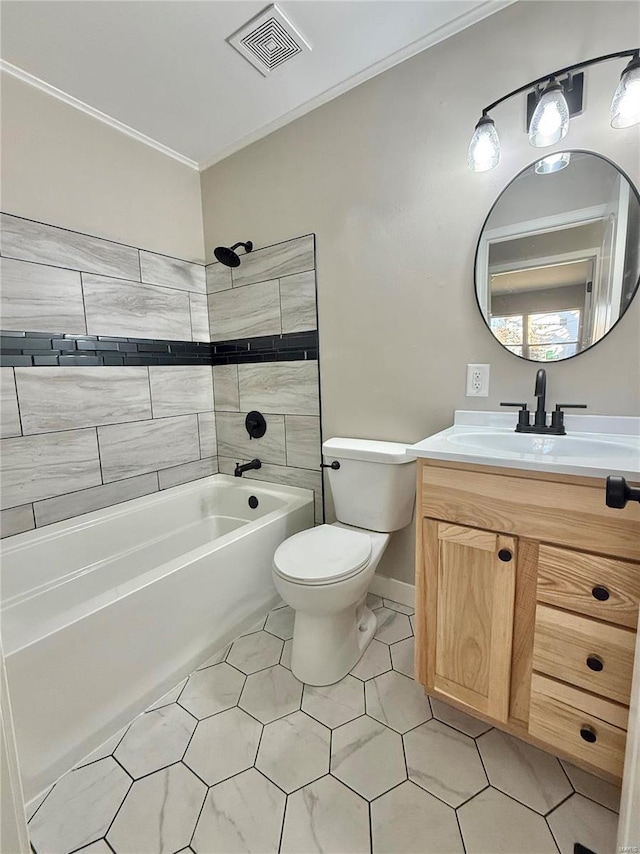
505 555
594 662
588 734
600 593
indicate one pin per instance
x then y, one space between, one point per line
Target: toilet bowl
324 573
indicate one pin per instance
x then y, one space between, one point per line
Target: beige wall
63 167
380 176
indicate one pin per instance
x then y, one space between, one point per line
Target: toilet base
327 646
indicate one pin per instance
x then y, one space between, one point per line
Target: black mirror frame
484 225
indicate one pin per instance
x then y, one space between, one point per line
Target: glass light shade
484 149
550 121
625 107
553 163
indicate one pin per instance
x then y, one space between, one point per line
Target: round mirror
558 260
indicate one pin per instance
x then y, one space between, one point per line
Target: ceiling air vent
268 41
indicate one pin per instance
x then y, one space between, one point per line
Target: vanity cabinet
527 596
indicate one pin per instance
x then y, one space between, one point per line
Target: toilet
324 573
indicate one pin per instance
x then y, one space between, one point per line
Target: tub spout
241 469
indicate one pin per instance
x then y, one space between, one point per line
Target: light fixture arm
635 52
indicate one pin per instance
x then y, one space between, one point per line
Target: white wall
380 176
63 167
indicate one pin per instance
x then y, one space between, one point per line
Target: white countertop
595 445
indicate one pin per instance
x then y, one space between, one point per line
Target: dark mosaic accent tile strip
33 349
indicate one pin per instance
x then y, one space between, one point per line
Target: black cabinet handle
588 733
594 662
618 492
600 593
505 555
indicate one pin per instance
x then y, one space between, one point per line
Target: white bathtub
103 613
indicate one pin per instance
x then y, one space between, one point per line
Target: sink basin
561 447
595 445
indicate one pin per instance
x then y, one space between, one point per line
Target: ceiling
162 70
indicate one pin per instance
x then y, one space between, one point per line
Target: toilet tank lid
369 450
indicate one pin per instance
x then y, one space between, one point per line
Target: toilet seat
322 555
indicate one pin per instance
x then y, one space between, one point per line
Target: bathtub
104 613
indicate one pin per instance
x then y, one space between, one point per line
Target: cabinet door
469 587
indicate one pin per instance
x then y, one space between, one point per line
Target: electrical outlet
478 380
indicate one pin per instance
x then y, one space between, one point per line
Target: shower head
229 257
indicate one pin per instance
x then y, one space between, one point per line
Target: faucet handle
557 416
523 415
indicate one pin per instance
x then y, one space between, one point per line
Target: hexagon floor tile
368 757
294 751
334 705
492 822
397 701
524 772
80 807
397 606
212 690
155 740
223 745
244 726
580 820
159 813
444 762
326 816
271 694
255 652
392 626
402 656
410 820
242 814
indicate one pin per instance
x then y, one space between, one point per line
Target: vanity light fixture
552 100
553 163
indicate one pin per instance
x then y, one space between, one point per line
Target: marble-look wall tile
119 307
225 388
130 449
303 441
289 388
303 478
180 389
282 259
9 415
218 277
187 472
75 503
298 301
171 272
16 520
242 313
234 441
199 317
54 399
207 432
36 298
46 244
37 467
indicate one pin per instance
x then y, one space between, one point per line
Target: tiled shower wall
270 299
106 395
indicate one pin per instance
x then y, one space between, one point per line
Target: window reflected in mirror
558 260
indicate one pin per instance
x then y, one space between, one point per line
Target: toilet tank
375 486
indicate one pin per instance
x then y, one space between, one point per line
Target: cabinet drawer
561 716
564 643
599 587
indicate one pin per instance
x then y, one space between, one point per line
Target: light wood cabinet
527 595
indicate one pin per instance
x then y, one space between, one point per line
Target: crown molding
34 81
461 22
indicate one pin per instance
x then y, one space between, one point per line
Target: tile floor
241 757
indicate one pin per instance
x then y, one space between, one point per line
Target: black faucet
241 469
556 428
